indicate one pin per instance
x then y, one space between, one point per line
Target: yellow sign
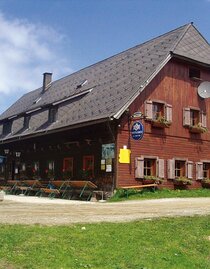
124 156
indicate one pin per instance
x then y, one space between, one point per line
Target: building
131 116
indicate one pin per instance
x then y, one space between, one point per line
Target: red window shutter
186 116
169 113
199 170
203 119
171 169
161 172
139 167
190 170
148 110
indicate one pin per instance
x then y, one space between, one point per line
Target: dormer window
7 127
26 122
52 114
82 84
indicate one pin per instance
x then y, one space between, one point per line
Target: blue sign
137 130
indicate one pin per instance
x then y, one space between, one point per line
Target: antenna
204 89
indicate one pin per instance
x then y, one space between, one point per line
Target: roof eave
189 60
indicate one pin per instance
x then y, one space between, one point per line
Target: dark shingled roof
112 84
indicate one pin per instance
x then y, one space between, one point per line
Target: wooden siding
172 86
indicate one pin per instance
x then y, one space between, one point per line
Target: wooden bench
137 187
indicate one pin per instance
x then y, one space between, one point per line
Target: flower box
161 122
182 181
198 129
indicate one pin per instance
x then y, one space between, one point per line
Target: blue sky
63 36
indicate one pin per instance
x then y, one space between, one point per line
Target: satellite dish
204 89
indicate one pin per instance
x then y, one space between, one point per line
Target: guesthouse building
140 114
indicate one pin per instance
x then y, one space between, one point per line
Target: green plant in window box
161 121
182 181
198 128
151 180
205 182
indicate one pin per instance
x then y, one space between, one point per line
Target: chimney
47 79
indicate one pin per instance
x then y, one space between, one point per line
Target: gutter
142 87
61 129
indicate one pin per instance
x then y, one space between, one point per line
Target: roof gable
193 45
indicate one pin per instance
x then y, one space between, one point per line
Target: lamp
17 154
6 151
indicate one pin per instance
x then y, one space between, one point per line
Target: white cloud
26 51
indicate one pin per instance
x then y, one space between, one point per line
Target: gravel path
45 211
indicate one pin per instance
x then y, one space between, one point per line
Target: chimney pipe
47 79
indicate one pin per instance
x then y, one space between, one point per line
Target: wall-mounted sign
124 156
108 151
137 130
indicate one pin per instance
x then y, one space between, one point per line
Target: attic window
194 73
26 121
7 127
52 117
82 84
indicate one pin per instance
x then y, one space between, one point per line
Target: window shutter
190 170
186 116
169 113
161 168
171 169
139 167
203 119
148 110
199 170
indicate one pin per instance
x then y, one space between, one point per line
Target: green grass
120 195
174 243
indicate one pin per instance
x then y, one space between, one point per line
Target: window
67 168
7 127
26 122
155 110
194 118
180 168
194 73
88 166
203 170
206 170
52 114
149 166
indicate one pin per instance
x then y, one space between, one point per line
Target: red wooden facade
171 86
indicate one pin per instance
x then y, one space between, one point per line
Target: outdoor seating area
66 189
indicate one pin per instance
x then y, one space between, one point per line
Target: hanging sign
137 130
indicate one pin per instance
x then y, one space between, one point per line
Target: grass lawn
120 195
158 243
